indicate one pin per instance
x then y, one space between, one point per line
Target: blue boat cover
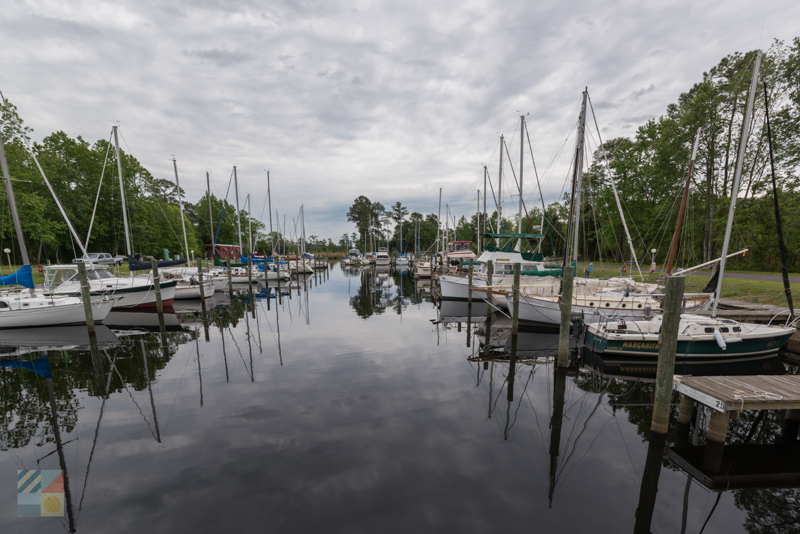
40 366
23 277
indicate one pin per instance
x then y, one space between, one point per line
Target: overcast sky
391 100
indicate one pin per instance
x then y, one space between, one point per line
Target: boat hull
705 348
186 292
61 315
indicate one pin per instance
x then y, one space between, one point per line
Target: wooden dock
738 393
749 312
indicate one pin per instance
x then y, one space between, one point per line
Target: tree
398 212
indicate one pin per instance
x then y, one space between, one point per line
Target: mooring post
488 327
202 290
230 277
157 286
512 364
715 441
469 303
278 274
86 296
791 424
684 418
673 296
159 304
250 275
649 488
567 277
97 361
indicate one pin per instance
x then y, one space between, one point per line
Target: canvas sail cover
23 277
134 265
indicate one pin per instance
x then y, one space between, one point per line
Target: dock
749 312
738 393
727 396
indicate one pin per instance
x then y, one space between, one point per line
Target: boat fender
720 341
733 340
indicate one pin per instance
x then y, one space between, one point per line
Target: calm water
354 406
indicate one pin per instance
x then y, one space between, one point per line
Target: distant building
223 251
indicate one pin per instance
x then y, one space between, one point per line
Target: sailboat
187 283
595 300
23 309
699 336
129 292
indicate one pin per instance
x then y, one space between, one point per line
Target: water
350 407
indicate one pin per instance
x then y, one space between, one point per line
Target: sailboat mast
485 175
238 218
579 175
210 216
180 204
518 248
778 226
674 247
271 237
249 227
13 203
122 195
478 223
500 191
303 225
438 220
736 179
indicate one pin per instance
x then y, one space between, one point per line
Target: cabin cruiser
382 258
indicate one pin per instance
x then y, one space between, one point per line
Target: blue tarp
23 277
41 366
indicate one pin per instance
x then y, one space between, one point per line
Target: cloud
388 100
220 57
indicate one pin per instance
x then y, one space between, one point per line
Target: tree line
650 170
75 167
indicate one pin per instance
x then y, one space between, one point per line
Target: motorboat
382 258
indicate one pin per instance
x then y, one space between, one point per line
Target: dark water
352 407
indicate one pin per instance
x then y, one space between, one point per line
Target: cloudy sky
392 100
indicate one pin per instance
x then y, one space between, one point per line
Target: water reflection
298 410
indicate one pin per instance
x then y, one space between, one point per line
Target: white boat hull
63 314
185 292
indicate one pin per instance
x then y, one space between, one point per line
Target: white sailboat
28 308
699 336
131 291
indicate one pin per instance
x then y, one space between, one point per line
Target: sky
391 100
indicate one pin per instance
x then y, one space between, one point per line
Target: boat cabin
55 275
459 246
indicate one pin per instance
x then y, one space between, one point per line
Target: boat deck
737 393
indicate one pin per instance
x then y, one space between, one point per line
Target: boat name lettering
640 345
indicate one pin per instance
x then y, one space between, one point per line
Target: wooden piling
97 361
514 331
230 278
278 274
488 327
202 289
567 276
86 296
673 296
469 303
157 286
250 275
791 425
159 304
